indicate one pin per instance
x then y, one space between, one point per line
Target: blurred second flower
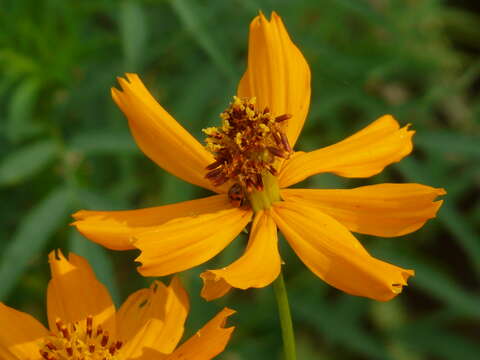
84 324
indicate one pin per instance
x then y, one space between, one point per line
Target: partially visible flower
249 162
84 324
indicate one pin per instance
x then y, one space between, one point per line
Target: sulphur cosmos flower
84 324
249 162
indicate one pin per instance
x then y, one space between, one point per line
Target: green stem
285 318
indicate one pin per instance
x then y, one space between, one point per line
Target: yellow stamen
80 340
246 148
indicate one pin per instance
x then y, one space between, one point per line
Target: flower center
247 148
80 340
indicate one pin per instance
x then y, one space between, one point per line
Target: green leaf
448 142
175 190
463 24
20 110
196 100
134 30
31 236
363 9
17 63
440 285
99 143
188 15
26 162
462 230
431 338
98 259
337 320
90 199
433 280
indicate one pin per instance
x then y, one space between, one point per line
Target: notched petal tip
407 273
440 191
132 76
208 342
214 286
119 79
128 79
124 83
115 93
225 313
81 214
55 256
397 277
397 288
437 205
220 321
74 293
75 223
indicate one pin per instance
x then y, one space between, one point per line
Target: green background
65 146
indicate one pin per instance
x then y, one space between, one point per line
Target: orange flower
249 163
84 324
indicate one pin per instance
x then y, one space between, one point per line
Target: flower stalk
285 318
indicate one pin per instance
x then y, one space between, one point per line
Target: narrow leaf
95 143
26 162
437 342
188 15
438 284
20 110
134 34
461 229
448 142
31 236
433 280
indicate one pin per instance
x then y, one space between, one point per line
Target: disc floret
80 340
247 146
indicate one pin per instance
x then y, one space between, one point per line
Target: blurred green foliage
65 146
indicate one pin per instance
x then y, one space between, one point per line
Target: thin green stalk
285 318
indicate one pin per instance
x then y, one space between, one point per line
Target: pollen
79 340
247 145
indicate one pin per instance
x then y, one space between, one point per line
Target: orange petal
383 210
277 73
116 229
153 318
363 154
335 255
74 293
20 336
208 342
183 243
159 136
258 267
